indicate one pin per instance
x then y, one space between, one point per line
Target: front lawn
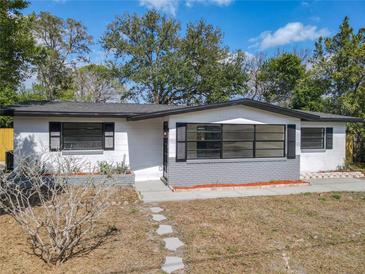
305 233
132 247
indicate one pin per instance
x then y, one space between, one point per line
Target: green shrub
106 168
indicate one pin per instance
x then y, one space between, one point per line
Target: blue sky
251 26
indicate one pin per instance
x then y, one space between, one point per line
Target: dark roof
83 109
136 112
304 115
333 117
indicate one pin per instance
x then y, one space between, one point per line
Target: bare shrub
58 217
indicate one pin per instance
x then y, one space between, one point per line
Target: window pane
82 136
238 132
270 128
203 145
268 145
202 136
312 138
204 154
180 133
237 149
269 153
315 144
269 136
180 153
203 127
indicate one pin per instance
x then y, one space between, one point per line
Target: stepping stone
164 229
158 217
156 209
172 264
172 243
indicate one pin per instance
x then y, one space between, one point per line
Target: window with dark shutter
55 129
312 138
291 142
180 142
329 138
108 136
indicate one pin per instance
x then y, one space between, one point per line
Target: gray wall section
232 172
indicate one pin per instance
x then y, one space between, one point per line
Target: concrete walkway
156 191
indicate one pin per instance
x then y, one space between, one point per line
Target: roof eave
71 114
343 120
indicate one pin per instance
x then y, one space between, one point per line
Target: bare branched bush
58 217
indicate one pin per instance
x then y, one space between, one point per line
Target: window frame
103 136
254 141
324 138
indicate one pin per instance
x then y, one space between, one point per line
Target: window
312 138
81 136
228 141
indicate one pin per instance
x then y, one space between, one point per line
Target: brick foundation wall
198 172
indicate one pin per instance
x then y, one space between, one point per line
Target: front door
165 148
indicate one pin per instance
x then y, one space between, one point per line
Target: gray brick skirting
224 171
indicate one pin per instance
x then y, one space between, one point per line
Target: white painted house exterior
138 137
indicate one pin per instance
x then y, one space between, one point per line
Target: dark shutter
291 142
55 129
108 132
329 138
180 142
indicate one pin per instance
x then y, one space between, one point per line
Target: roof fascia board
73 114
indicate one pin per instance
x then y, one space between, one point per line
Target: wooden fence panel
6 141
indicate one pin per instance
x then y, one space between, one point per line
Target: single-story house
234 142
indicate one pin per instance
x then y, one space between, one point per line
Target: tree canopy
167 68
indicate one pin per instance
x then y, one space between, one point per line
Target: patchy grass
307 233
130 249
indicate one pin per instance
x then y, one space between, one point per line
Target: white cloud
167 6
170 6
292 32
190 3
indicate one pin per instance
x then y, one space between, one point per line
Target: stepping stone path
172 263
158 217
172 243
164 229
156 209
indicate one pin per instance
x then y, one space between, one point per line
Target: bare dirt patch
131 248
307 233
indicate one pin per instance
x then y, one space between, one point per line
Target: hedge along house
228 143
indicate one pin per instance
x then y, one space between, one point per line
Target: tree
340 62
16 44
17 49
144 48
210 73
279 76
164 68
253 66
96 83
64 44
309 93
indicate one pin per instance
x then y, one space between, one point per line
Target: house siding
195 172
325 159
140 143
